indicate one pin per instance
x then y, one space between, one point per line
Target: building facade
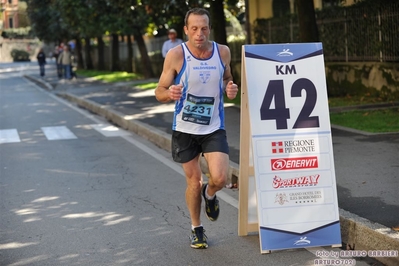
9 14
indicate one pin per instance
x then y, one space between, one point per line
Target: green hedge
19 55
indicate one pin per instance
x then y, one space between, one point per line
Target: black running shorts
186 147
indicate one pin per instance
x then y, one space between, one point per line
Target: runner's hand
231 90
175 92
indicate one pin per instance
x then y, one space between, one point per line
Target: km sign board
286 149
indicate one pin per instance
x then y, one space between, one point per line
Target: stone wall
381 79
31 46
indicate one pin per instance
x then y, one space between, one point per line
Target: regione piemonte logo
294 163
294 146
277 147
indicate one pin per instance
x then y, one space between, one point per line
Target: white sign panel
292 146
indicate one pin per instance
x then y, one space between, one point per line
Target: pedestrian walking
196 74
172 42
41 60
57 51
65 59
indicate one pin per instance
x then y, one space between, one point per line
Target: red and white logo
302 181
277 147
294 163
294 146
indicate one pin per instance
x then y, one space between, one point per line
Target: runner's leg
193 191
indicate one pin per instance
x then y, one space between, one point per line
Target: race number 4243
280 113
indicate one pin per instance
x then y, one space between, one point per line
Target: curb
357 233
39 82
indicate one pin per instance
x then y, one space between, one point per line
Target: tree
135 20
171 14
218 21
308 31
72 13
46 20
87 19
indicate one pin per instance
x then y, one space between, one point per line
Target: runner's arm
166 91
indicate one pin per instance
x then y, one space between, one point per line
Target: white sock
207 195
192 226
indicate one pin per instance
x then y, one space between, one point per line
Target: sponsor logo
294 163
303 181
281 198
285 52
294 146
302 241
277 147
306 197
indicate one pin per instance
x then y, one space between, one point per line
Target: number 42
280 113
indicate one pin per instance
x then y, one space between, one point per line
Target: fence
355 33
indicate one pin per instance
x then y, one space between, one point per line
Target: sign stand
283 84
246 169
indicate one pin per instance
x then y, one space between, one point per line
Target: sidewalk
367 165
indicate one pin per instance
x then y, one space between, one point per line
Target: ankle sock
207 195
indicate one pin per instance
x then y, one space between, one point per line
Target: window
10 2
10 23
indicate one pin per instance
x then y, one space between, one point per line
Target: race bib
198 110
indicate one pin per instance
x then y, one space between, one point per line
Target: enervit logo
294 163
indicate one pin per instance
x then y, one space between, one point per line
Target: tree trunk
79 53
129 54
218 21
307 21
100 50
145 59
115 62
88 59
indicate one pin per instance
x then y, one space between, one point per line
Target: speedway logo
294 163
303 181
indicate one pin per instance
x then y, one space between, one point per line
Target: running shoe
198 238
211 206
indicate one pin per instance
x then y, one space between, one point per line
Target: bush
19 55
18 33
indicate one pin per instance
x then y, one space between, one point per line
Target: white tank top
200 110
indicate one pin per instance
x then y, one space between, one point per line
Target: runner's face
197 30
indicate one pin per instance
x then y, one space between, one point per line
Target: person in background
65 60
196 75
57 51
172 42
41 59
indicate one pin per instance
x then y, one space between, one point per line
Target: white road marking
58 133
110 131
9 136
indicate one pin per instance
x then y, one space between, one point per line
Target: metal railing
356 33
